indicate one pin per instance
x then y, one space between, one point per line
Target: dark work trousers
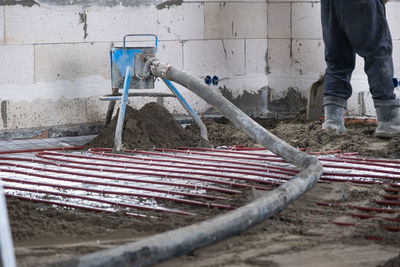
357 26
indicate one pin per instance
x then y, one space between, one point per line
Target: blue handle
146 34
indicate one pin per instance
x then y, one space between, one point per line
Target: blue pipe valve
207 79
396 82
214 80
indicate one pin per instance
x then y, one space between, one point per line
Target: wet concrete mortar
300 235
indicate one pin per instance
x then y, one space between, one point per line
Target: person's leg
340 60
371 39
369 34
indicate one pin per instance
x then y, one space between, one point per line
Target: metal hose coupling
159 69
146 66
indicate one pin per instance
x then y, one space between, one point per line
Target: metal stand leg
192 113
6 244
110 108
121 115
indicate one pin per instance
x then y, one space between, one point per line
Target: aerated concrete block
306 21
71 61
181 22
171 53
214 57
279 20
256 53
17 64
308 57
392 15
396 58
279 56
34 25
1 25
111 24
235 20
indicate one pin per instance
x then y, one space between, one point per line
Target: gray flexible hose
183 240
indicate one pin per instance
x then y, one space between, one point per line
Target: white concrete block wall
279 19
1 25
57 56
34 25
235 20
256 53
396 56
70 61
111 24
392 14
306 21
17 64
185 22
171 52
308 59
295 47
214 57
392 11
280 57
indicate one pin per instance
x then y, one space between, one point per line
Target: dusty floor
301 235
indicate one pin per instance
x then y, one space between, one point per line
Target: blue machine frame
127 64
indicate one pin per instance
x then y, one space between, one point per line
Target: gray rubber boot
388 115
334 118
334 108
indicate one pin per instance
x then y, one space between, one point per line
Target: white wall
52 74
55 63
